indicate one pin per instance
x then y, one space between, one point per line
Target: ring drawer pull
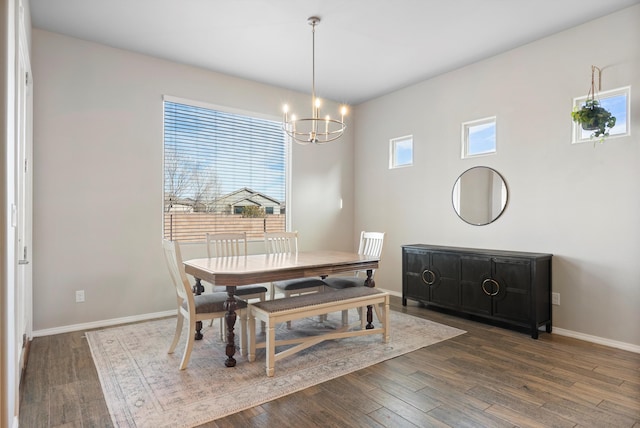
497 287
433 277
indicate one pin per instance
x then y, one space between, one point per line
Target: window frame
466 126
393 151
578 134
235 111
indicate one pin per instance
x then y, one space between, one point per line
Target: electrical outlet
555 299
79 296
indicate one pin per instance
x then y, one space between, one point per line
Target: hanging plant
591 116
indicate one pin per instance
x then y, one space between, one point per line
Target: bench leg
385 321
271 349
251 323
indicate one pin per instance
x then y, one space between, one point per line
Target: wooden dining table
260 268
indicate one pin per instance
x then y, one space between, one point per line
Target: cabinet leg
404 301
548 327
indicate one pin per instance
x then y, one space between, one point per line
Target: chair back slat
226 244
281 242
371 243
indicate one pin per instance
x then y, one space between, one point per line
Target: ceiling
364 48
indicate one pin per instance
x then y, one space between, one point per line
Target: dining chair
370 245
284 243
196 308
233 244
287 243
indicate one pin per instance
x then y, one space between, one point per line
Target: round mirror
479 195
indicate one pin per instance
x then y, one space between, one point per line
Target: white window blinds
223 172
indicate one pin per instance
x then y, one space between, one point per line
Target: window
616 102
223 172
479 137
401 152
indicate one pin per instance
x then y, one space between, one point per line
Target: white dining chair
287 243
233 244
196 308
370 245
283 243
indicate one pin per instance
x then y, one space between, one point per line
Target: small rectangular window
401 152
616 101
479 137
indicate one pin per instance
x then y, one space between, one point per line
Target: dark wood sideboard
511 287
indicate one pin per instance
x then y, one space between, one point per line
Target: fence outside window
192 227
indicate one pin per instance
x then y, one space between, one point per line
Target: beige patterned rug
144 388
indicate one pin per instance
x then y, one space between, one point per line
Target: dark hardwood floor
488 377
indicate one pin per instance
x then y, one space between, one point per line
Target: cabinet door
415 262
474 271
513 301
445 270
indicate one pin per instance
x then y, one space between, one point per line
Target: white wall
579 202
98 177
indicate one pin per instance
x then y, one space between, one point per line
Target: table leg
198 289
369 282
230 318
198 335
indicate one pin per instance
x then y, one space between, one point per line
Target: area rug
144 388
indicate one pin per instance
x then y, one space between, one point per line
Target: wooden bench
277 311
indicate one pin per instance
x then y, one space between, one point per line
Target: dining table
234 271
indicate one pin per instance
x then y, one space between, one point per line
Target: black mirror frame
504 205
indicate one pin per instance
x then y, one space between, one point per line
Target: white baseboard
115 321
103 323
393 293
577 335
599 340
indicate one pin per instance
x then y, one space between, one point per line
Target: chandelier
313 129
